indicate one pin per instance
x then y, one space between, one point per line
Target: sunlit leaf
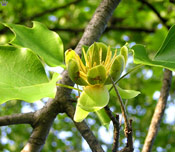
141 57
165 57
125 94
167 51
47 44
22 76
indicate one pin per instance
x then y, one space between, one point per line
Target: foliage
163 58
22 76
75 17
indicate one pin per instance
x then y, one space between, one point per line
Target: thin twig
128 127
115 121
109 28
116 135
122 106
129 137
50 10
163 20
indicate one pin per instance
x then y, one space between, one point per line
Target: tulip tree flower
100 64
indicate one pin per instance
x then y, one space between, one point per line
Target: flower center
94 58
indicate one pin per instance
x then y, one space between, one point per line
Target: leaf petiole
69 87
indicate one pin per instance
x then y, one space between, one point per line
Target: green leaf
141 57
22 76
167 50
47 44
125 94
165 57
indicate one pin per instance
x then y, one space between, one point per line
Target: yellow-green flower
94 74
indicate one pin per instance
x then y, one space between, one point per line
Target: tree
43 120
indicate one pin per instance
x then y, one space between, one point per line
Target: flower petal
74 72
116 69
69 54
94 52
94 98
96 75
124 52
80 114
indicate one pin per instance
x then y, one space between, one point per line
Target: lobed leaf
141 57
167 51
45 43
22 76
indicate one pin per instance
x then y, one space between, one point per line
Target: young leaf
167 51
125 94
45 43
141 57
22 76
165 57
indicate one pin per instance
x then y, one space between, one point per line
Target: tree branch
161 104
110 28
97 24
22 118
51 10
158 112
84 130
163 20
132 29
47 114
44 119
